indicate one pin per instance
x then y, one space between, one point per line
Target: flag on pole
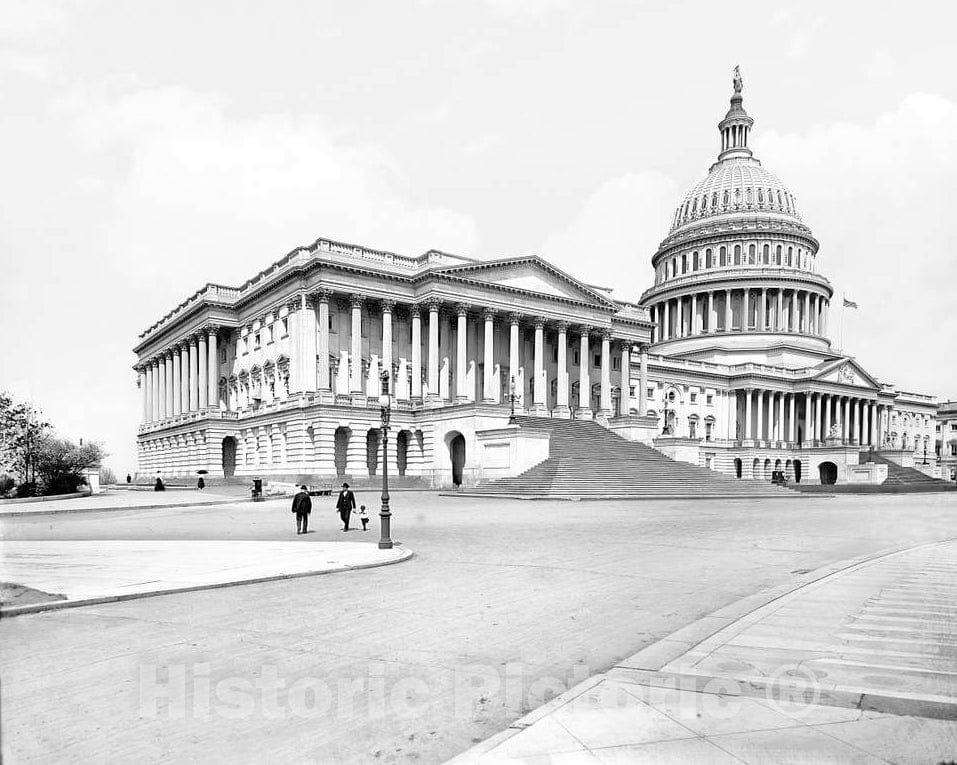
849 303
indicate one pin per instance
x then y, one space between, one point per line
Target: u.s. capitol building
725 361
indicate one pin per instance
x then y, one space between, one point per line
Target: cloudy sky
150 147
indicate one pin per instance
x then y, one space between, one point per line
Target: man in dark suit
345 505
302 506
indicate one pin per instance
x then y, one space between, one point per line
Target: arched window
714 201
737 254
708 259
761 196
727 199
704 203
777 256
780 201
684 263
694 261
752 254
790 256
748 195
694 207
737 196
723 256
766 255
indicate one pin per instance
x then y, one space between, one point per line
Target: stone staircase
586 460
904 478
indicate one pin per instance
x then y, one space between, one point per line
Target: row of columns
761 309
771 415
431 311
183 378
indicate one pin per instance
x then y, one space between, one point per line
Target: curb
633 497
52 511
58 605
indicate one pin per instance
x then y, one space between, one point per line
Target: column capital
561 326
211 329
514 318
539 323
319 296
433 305
415 311
193 339
585 330
356 300
387 305
462 309
489 314
606 334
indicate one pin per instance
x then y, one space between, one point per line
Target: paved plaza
505 605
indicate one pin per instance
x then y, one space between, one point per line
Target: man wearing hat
345 505
302 506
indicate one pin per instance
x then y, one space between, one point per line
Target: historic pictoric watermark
195 691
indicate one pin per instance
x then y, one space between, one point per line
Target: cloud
611 240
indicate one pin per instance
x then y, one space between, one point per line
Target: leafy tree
22 433
60 464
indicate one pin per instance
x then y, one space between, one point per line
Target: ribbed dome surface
738 184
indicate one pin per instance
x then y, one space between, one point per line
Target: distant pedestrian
364 517
302 506
158 486
345 505
129 478
201 484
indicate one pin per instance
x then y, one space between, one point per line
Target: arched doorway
756 468
456 443
229 457
828 471
767 469
402 451
797 471
372 450
737 467
789 470
341 449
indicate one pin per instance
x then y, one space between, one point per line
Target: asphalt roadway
505 604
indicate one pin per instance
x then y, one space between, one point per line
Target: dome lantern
736 125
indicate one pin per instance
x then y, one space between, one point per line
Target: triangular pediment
846 371
528 274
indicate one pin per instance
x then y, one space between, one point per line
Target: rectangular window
257 340
708 427
576 357
555 353
709 399
598 360
616 363
650 392
285 326
694 398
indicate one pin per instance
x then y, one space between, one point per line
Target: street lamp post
385 515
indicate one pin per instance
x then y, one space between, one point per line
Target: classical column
213 368
584 378
728 317
746 304
161 388
433 349
150 392
806 325
203 360
168 357
321 303
355 381
461 356
792 424
764 404
763 318
488 352
793 312
562 400
643 381
667 325
779 313
416 353
177 380
694 315
606 372
712 316
513 359
144 399
749 394
184 376
826 424
845 429
538 383
624 404
810 425
388 306
872 440
193 375
781 434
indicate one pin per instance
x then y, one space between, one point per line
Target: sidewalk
122 500
857 665
75 573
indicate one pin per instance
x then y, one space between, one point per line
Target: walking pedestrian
201 484
302 506
159 486
364 517
345 505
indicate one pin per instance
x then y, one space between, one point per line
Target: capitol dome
735 184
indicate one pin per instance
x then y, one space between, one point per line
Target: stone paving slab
121 500
88 572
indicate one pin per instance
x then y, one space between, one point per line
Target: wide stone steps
586 459
898 475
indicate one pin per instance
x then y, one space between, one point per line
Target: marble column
624 405
845 416
461 356
792 325
168 356
355 347
513 357
792 422
161 388
746 305
203 361
810 425
779 312
728 315
150 392
781 434
667 325
693 323
562 400
643 381
213 368
763 314
805 324
584 378
416 353
605 399
764 411
144 398
872 440
193 375
488 361
859 422
184 376
826 429
538 383
321 306
388 307
712 315
177 382
749 395
433 371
